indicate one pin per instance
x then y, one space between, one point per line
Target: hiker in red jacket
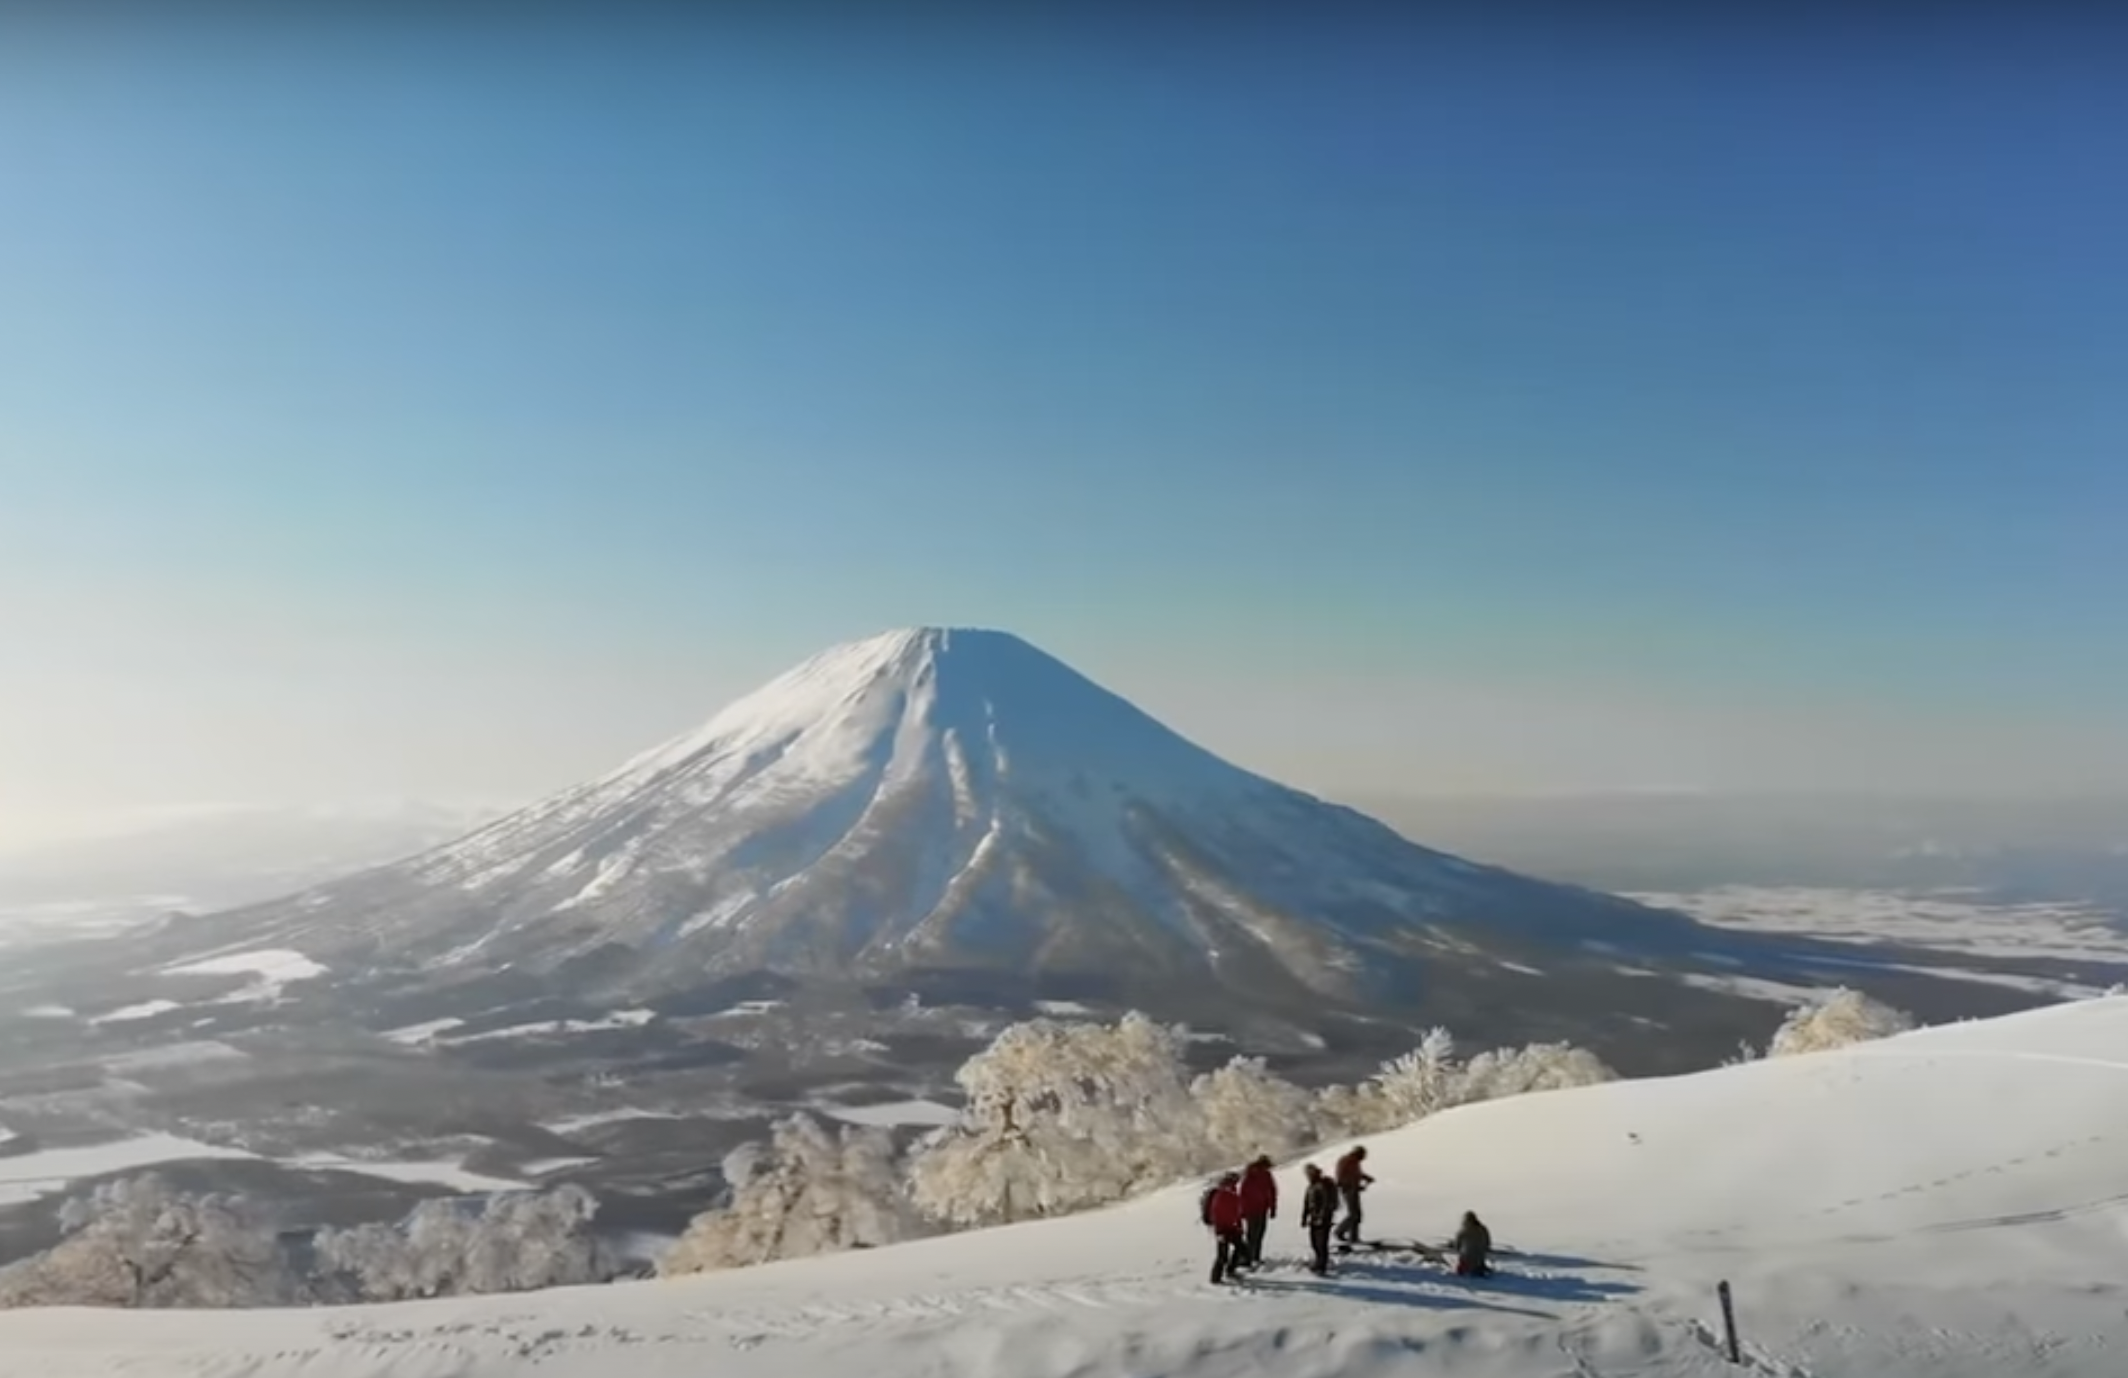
1352 1179
1222 1212
1259 1203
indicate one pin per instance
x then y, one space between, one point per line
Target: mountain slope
949 799
1942 1205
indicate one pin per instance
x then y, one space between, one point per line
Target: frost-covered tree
1246 1110
139 1243
515 1242
811 1191
1745 1053
1352 1111
1424 1081
1838 1019
1532 1067
1429 1079
1062 1117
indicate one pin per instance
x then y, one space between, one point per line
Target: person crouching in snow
1259 1205
1318 1209
1223 1213
1473 1246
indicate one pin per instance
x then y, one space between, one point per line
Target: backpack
1204 1204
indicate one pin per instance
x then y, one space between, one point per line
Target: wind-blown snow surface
1948 1204
938 798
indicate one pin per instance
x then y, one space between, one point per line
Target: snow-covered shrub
1246 1110
515 1242
1840 1018
1351 1112
1533 1067
812 1191
137 1242
1062 1117
1428 1080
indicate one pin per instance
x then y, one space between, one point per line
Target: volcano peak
946 797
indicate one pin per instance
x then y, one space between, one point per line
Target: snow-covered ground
441 1172
423 1033
616 1115
147 1009
28 1176
1948 1204
271 964
907 1112
618 1019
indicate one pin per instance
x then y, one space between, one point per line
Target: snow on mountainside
950 799
1945 1204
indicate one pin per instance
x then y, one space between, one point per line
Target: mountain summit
950 800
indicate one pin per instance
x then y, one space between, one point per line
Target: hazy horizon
432 412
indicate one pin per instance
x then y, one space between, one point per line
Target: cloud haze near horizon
169 722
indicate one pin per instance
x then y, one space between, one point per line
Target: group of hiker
1240 1206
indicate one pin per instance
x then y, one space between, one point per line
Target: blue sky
447 409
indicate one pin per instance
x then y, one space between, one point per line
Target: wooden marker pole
1729 1323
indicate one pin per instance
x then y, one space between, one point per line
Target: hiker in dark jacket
1318 1209
1259 1204
1223 1213
1352 1179
1473 1246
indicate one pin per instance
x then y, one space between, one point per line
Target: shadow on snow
1426 1287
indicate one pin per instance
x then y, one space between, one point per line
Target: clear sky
449 412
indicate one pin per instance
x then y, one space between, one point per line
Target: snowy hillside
959 801
1946 1204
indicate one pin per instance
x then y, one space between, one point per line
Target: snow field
1944 1204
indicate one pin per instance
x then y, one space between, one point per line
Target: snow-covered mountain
1944 1204
958 801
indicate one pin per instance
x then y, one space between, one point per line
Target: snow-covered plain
147 1009
53 1171
907 1112
423 1033
618 1019
28 1176
277 965
441 1173
1947 921
1946 1204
